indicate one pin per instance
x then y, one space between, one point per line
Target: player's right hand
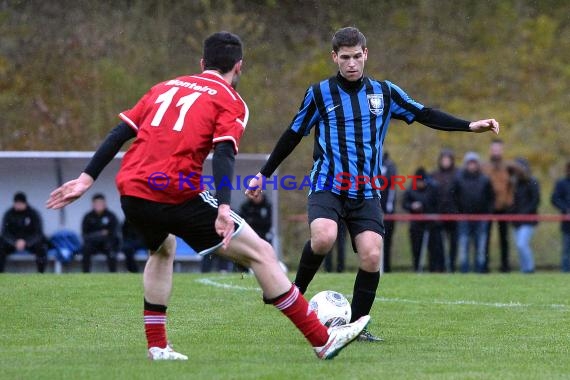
69 191
224 224
254 187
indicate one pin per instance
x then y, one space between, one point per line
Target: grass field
435 326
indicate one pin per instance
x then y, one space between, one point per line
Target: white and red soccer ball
332 308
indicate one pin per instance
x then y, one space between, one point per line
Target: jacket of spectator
561 198
100 225
444 177
503 186
423 197
257 213
527 191
25 224
473 191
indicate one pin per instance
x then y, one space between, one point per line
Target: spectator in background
525 201
100 229
444 177
496 169
421 198
388 203
473 195
561 200
258 214
22 231
132 242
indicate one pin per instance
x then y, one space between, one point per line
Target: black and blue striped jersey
350 126
351 120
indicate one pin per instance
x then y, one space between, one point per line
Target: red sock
296 308
155 328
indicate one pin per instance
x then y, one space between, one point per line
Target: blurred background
67 68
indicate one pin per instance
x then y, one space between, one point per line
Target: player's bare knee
370 260
323 242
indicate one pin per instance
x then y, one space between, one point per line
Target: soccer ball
332 308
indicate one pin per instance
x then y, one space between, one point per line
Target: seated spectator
22 231
561 200
257 213
525 201
473 194
100 234
132 242
421 198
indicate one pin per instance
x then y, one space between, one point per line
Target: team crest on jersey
376 103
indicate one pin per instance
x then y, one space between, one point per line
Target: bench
186 260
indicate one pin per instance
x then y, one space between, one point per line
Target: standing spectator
496 169
132 242
561 200
525 201
388 203
473 195
444 176
100 234
22 231
421 198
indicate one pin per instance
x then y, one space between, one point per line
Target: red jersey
177 123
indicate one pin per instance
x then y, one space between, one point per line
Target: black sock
154 307
365 287
308 267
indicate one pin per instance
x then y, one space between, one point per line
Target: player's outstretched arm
69 191
285 145
485 125
443 121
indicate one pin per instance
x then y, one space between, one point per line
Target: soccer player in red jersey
175 125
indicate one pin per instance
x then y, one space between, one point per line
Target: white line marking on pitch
215 282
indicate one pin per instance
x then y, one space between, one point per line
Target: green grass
435 326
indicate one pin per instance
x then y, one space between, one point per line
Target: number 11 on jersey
165 99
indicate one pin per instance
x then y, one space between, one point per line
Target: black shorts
359 215
193 221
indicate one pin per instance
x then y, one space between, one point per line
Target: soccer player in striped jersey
350 113
175 125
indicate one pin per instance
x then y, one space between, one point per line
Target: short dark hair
20 196
98 196
222 50
348 37
497 141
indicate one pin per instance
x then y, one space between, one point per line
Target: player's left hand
224 225
484 126
254 186
69 191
